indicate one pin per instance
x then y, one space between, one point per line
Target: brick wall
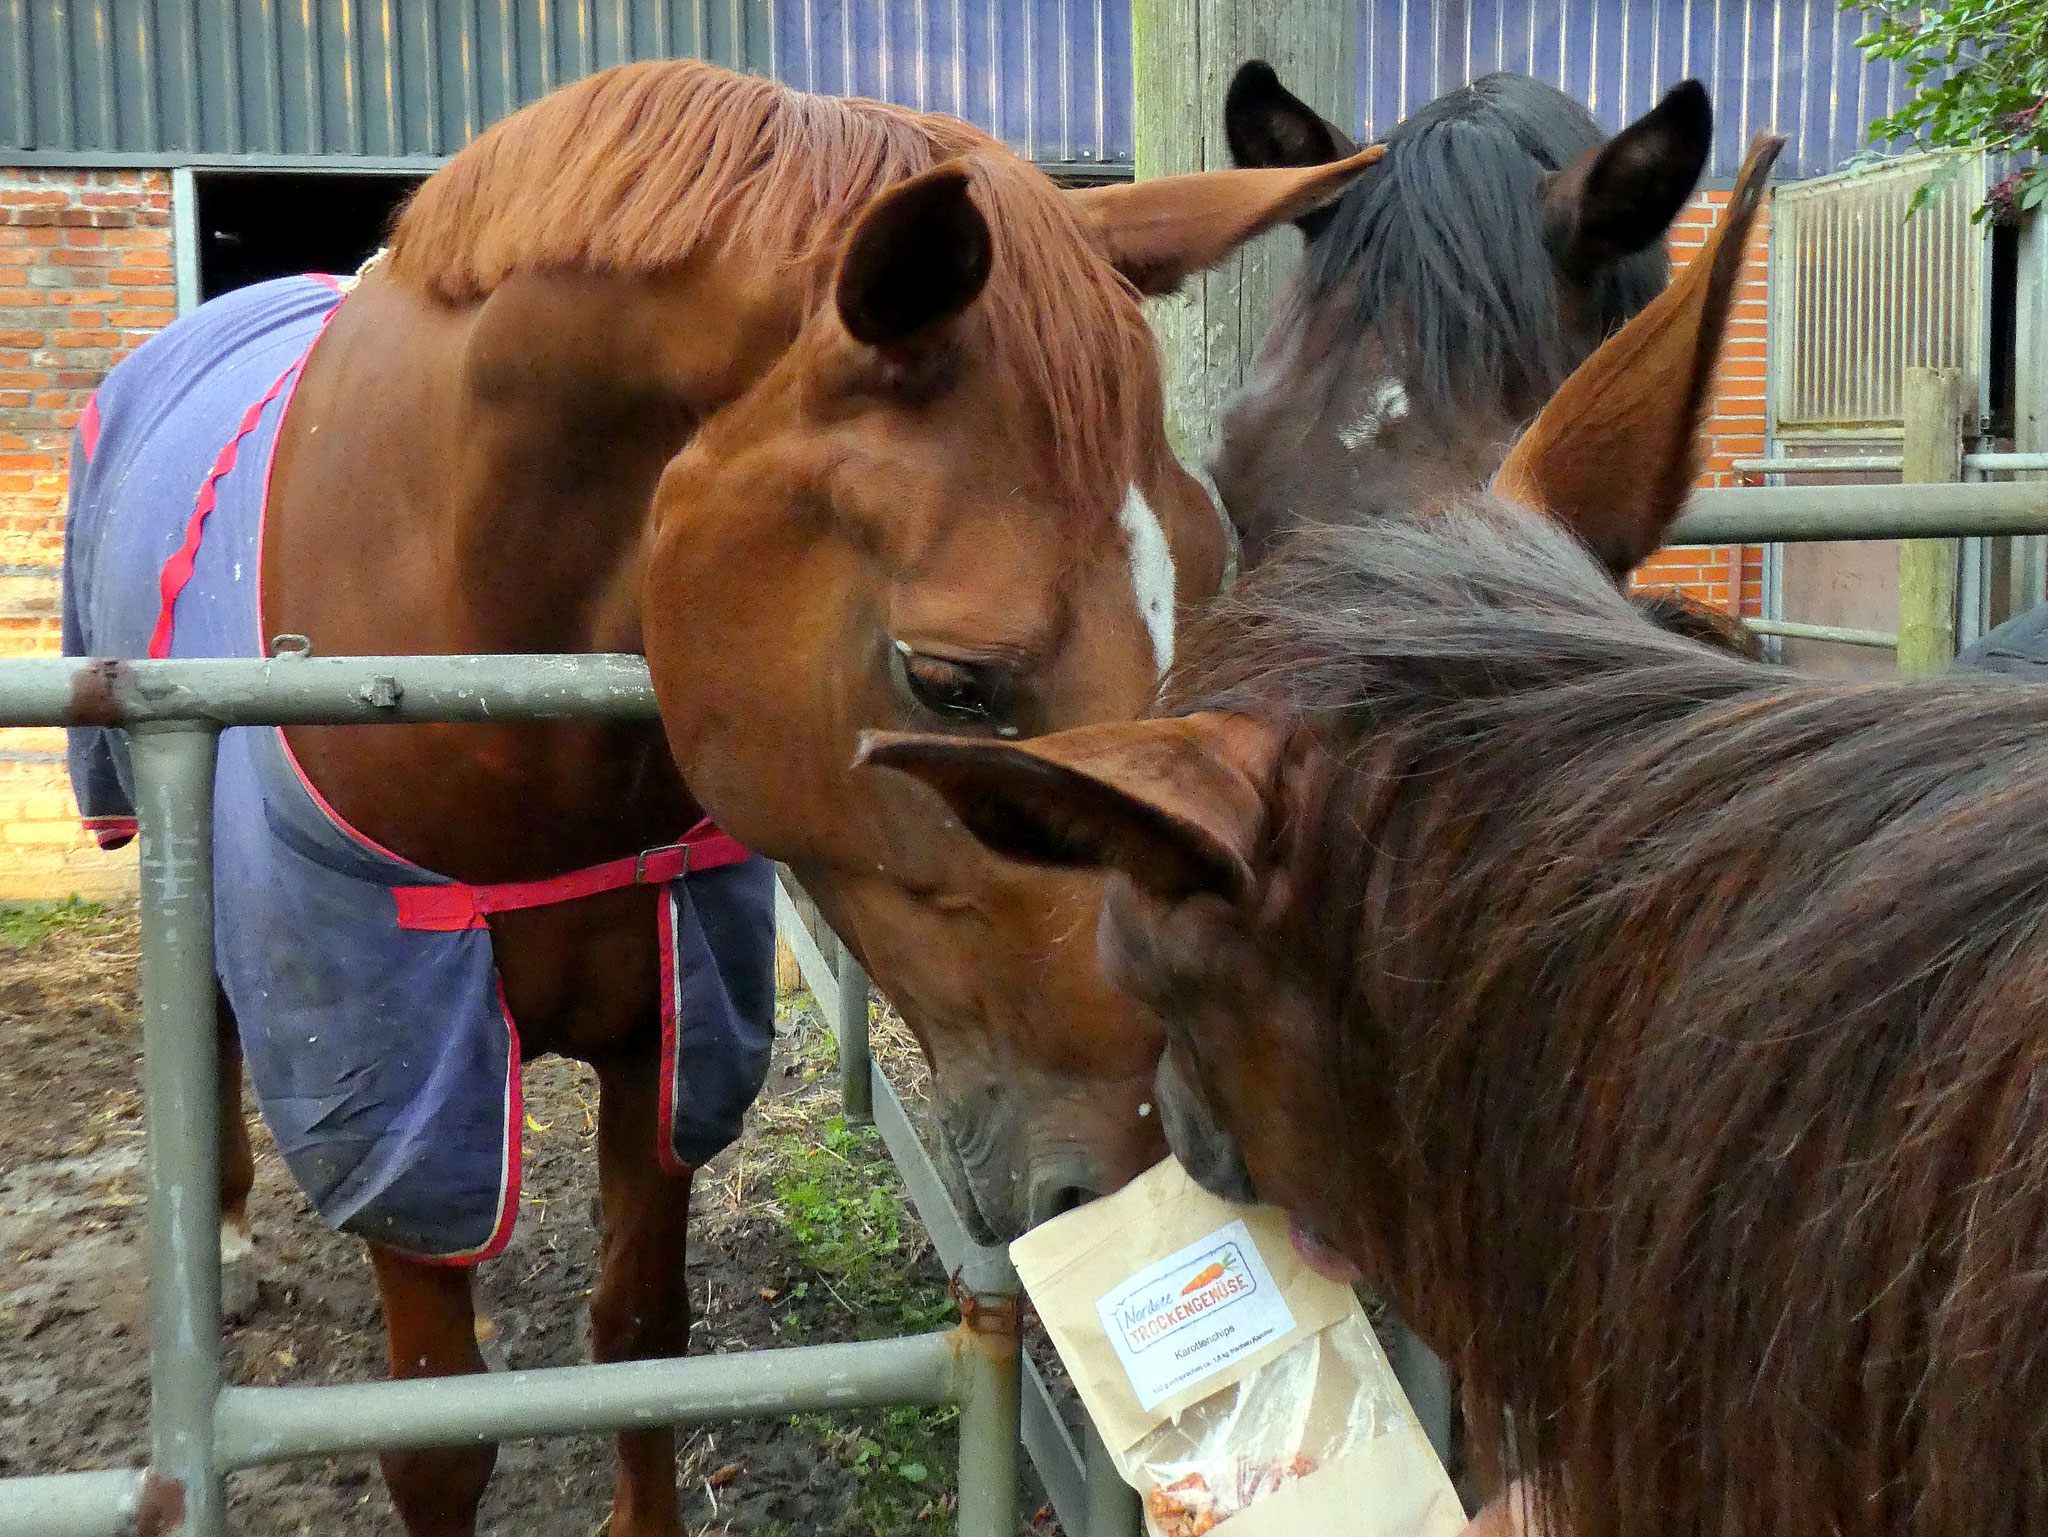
1736 428
85 277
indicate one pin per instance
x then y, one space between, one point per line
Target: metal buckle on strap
640 862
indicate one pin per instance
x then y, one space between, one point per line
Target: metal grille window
1862 292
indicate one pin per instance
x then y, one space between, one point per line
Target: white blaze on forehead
1388 402
1151 573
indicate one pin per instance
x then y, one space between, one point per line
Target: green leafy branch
1979 73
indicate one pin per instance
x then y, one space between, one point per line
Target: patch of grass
27 925
904 1459
864 1258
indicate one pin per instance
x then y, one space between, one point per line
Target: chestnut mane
636 169
1699 1012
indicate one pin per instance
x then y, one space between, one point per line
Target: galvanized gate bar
181 1110
1805 514
265 1425
326 690
70 1504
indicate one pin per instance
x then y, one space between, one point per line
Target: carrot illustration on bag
1208 1273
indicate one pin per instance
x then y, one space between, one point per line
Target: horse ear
1267 125
1176 804
1157 232
1618 199
918 257
1613 453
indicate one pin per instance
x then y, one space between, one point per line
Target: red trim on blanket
455 906
512 1159
89 427
111 832
178 569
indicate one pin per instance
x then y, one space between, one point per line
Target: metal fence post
1932 399
991 1354
856 1088
1113 1508
174 803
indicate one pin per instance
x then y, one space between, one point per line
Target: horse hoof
237 1276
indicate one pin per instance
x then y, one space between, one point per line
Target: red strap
89 427
456 906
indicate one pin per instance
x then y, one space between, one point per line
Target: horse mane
638 168
1700 1012
1438 251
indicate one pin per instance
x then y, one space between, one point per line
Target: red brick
132 277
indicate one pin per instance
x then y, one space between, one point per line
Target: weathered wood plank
1184 53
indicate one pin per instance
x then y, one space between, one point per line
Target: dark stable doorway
257 225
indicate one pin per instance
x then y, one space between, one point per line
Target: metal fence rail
200 1431
1802 514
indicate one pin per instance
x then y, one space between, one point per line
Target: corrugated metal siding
401 78
1051 78
365 78
1788 65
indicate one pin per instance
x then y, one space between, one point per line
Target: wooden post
2030 397
1933 407
1183 55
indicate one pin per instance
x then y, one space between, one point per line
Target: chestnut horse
1662 1031
1446 295
845 416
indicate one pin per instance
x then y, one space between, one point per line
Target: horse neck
573 393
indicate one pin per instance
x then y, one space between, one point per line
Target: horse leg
642 1306
431 1325
237 1175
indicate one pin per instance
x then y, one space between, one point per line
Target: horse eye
956 691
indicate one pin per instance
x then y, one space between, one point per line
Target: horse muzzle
1003 1185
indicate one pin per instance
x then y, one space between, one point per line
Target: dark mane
1700 1009
1439 249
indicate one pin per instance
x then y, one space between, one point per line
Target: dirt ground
799 1235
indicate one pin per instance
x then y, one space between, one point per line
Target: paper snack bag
1239 1391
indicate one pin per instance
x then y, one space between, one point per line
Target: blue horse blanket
371 1016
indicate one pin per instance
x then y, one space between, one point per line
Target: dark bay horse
844 416
1444 297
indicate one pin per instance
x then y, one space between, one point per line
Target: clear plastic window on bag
1321 1401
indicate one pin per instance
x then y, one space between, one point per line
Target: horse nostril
1065 1199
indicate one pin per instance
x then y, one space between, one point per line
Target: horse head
949 506
1448 292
